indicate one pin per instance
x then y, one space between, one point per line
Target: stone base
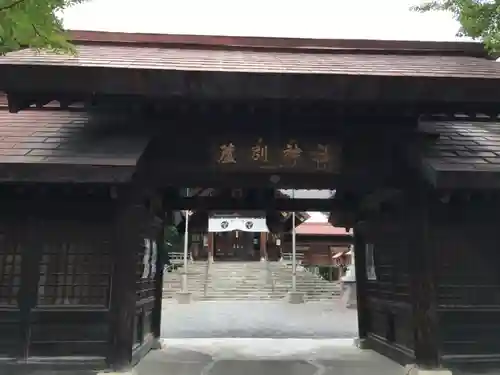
210 258
262 259
415 370
295 298
360 343
183 298
156 344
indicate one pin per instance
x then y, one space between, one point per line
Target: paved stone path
264 357
258 319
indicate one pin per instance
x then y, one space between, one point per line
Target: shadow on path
264 357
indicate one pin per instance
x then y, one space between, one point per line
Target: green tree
34 23
479 19
173 240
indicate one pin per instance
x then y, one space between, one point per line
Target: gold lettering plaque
321 156
291 153
259 151
227 154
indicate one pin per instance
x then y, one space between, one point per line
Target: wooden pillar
158 282
123 296
263 245
423 287
361 285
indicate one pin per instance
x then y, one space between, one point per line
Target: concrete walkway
264 357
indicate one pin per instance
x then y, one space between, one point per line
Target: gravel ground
259 319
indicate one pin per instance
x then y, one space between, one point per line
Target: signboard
245 224
290 155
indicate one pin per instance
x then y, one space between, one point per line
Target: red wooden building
321 244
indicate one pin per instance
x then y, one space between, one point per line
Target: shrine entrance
235 237
96 151
235 246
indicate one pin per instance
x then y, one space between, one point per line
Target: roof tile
473 146
321 229
24 139
184 59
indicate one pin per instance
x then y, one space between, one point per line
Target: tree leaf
34 24
479 19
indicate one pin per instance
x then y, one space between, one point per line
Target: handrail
176 258
287 257
205 282
270 276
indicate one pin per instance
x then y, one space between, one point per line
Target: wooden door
53 290
247 249
235 246
239 248
70 301
224 246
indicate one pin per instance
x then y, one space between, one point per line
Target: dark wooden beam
123 298
67 102
16 103
288 225
402 89
361 286
374 201
64 173
423 283
224 203
19 102
160 265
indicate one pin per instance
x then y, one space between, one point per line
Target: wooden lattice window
370 262
74 274
146 269
10 272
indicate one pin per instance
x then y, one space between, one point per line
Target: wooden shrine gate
87 185
59 256
49 267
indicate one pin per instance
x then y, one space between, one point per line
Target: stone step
253 291
250 290
248 281
251 297
246 298
247 292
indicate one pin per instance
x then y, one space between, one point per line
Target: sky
315 217
350 19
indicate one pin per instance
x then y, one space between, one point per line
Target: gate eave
465 156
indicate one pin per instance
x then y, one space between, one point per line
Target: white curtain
244 224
